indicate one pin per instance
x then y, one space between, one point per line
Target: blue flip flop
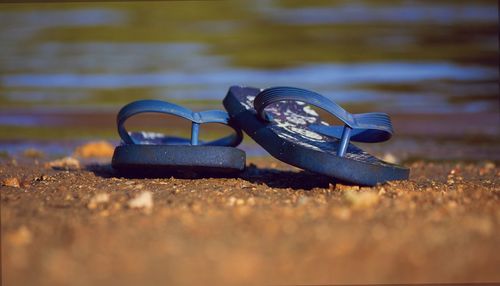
281 120
145 153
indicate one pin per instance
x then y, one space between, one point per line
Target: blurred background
67 68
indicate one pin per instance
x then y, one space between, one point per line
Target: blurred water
394 56
411 12
333 80
216 75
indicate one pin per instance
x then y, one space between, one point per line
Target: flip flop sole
296 144
162 160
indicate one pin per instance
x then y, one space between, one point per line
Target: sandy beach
274 224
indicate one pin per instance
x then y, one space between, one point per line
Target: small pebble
231 201
340 187
452 205
487 168
33 153
67 163
489 165
390 158
251 201
95 150
342 213
44 178
302 200
143 201
381 192
11 182
98 199
361 200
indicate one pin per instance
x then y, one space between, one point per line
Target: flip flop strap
365 127
197 118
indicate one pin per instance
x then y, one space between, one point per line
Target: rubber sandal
281 121
145 153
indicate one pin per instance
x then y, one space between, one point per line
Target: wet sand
272 225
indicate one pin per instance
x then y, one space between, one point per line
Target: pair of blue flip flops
280 119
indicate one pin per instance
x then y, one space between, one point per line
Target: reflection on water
109 58
26 24
328 79
395 56
411 12
317 75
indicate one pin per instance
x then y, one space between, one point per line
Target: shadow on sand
273 178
